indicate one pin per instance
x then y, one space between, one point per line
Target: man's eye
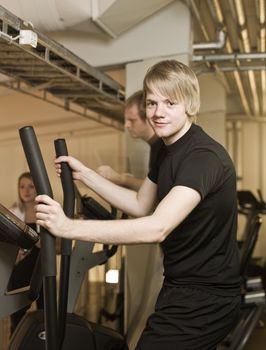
170 103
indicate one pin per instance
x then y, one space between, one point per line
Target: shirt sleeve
202 170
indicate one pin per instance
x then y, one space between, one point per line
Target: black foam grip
68 189
35 161
66 179
42 184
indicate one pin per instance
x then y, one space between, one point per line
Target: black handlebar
42 185
68 190
66 179
48 257
66 244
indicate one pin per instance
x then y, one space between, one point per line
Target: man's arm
154 228
125 179
133 203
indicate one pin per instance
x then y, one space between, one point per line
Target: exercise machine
253 291
46 330
14 234
89 208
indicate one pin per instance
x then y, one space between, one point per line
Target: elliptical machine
45 330
14 234
253 290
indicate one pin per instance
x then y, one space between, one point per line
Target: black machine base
80 334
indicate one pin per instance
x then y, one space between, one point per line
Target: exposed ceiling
52 73
48 71
230 40
241 62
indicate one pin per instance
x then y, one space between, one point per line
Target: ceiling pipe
238 81
194 9
241 19
219 44
226 57
220 18
232 69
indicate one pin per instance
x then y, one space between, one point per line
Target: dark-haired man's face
136 126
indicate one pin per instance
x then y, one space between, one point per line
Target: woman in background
24 207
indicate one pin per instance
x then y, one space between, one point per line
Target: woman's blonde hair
176 81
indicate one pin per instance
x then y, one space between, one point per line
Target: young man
138 127
187 203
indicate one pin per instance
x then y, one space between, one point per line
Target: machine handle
48 257
42 185
68 190
66 179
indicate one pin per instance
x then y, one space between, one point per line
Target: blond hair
176 81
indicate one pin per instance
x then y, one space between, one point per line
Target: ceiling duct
50 15
122 15
113 17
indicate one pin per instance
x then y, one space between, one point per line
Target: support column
212 116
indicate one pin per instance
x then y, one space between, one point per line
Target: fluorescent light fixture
218 11
254 92
245 39
262 11
240 12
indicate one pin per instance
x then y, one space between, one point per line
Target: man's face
133 122
168 119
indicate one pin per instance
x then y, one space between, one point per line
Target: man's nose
160 110
127 124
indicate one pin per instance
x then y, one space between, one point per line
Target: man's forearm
132 231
